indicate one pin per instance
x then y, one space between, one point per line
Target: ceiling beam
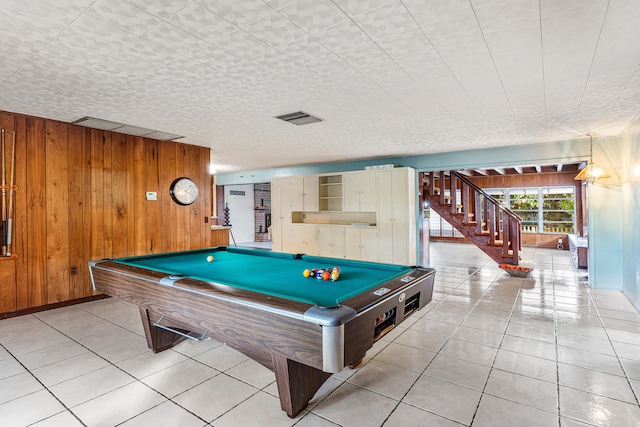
466 172
538 168
499 170
559 167
481 172
518 169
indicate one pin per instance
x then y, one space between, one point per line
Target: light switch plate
152 195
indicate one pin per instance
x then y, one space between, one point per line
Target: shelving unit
330 193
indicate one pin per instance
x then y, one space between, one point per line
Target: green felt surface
273 273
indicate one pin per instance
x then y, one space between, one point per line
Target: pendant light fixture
591 172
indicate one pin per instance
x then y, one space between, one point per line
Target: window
543 210
558 207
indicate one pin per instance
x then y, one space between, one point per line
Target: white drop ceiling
387 77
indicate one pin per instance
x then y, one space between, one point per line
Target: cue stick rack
8 191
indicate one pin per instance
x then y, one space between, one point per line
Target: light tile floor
490 350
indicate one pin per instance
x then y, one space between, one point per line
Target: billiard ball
335 274
326 275
306 273
210 258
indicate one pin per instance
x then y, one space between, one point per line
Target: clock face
183 191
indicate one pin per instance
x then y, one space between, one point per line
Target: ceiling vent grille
299 118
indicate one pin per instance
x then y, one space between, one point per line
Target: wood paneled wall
82 196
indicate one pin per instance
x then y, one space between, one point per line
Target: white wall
631 214
241 214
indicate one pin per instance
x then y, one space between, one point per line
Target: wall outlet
152 195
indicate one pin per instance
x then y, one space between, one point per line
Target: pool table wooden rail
252 330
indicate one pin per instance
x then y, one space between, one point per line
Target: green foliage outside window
546 210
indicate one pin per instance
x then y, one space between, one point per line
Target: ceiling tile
357 7
238 12
163 9
305 50
449 28
168 39
275 30
313 15
425 11
123 15
365 55
242 44
44 19
202 23
341 37
495 14
412 42
392 18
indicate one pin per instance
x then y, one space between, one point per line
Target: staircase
478 216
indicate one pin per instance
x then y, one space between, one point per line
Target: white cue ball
210 258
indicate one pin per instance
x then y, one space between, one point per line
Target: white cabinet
362 243
304 193
331 241
360 192
303 239
290 194
280 214
397 216
314 215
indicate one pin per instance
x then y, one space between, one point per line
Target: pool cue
4 203
11 179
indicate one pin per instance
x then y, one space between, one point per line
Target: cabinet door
400 214
362 243
279 212
331 241
360 192
304 239
369 244
304 193
385 215
310 194
352 243
396 216
296 185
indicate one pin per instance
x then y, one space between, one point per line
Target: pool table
259 302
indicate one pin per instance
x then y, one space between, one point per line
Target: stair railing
491 217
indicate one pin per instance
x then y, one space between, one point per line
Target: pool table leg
297 383
158 339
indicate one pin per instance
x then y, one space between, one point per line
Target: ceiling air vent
299 118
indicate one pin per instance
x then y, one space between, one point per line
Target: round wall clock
183 191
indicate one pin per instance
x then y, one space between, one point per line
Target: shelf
323 184
6 258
